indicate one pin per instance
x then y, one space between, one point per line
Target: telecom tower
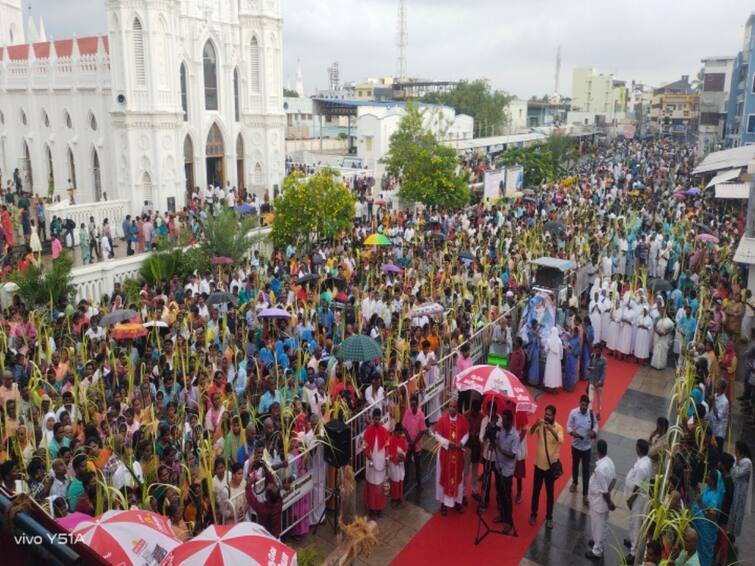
403 41
558 70
334 77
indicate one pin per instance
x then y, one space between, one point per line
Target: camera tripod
485 496
335 495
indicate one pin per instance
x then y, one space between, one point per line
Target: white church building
178 94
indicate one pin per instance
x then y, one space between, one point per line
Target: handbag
556 468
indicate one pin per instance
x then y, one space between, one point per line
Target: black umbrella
221 298
554 226
307 278
704 227
118 316
337 282
660 285
464 254
436 235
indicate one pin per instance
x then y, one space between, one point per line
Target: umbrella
221 298
497 381
337 282
390 268
660 285
317 259
128 537
528 192
240 543
554 226
680 196
221 260
359 348
529 199
435 235
115 317
707 238
70 521
694 191
128 331
307 278
155 324
703 227
378 240
426 309
469 256
274 313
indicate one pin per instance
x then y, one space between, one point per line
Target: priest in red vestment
451 432
375 442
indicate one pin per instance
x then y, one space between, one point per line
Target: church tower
146 107
11 23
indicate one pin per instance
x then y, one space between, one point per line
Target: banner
495 184
514 180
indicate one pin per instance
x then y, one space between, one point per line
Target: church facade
178 94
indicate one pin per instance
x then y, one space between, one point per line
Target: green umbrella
359 348
377 240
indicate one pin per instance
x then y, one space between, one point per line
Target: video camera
491 431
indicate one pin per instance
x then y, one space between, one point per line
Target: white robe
612 338
605 318
664 329
555 350
644 335
596 320
625 331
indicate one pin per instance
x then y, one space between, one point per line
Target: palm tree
698 83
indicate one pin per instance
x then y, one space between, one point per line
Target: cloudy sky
513 43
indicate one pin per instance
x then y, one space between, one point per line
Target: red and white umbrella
128 538
242 543
492 380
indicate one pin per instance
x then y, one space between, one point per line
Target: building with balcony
675 108
714 97
740 109
176 95
597 97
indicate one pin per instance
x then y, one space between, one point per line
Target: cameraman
506 448
489 427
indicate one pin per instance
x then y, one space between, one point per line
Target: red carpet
450 539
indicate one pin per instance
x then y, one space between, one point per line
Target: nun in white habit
554 350
644 335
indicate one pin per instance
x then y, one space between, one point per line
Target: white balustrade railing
114 210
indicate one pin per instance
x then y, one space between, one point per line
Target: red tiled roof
63 48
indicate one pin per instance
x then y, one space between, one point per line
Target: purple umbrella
390 268
694 191
274 313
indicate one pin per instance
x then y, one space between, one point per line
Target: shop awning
745 251
733 191
724 176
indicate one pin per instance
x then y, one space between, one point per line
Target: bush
42 287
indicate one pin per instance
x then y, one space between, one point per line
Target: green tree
288 93
224 234
426 168
537 160
316 207
40 287
476 99
563 149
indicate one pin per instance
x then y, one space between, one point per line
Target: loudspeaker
338 447
549 277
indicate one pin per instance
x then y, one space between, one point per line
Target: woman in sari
705 520
728 365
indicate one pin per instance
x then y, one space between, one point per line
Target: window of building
23 117
714 82
45 119
67 120
254 57
2 118
752 89
92 122
210 62
139 61
184 93
236 102
751 124
368 141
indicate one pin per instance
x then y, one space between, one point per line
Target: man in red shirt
414 430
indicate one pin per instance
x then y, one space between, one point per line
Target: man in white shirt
636 493
602 482
719 413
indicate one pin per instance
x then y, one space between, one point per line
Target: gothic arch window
96 176
67 119
2 118
23 117
258 178
139 60
210 63
215 144
92 121
184 92
240 177
254 57
71 169
45 119
236 103
27 173
147 188
50 170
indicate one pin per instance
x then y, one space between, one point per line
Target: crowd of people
214 409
